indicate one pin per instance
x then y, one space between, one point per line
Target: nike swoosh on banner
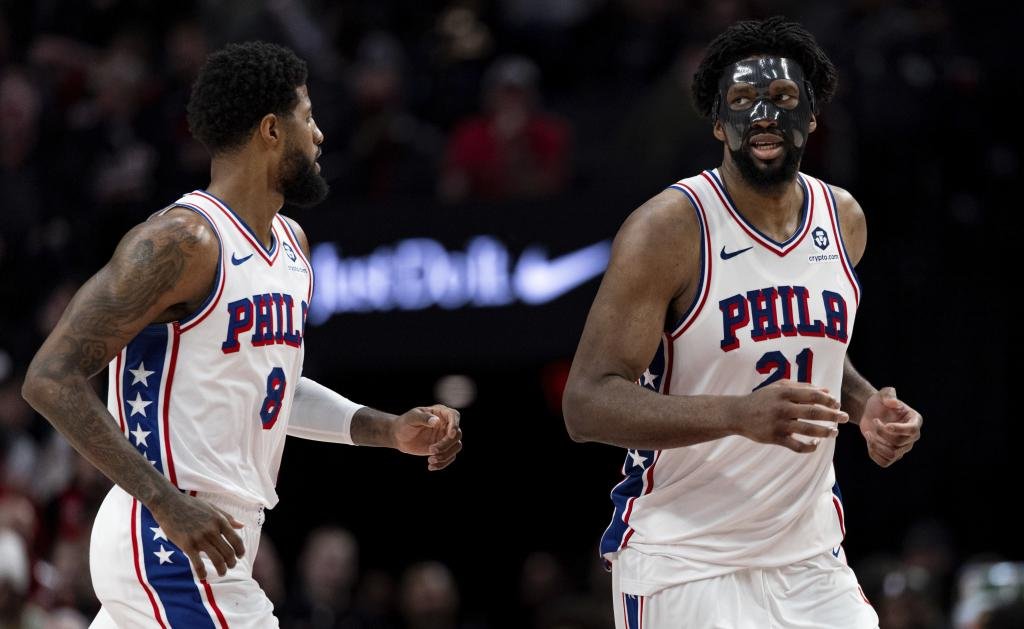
237 261
538 280
733 254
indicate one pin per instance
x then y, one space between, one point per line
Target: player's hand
431 431
196 526
890 427
772 414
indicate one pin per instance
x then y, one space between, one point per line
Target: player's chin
774 163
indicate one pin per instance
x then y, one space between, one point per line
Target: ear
270 129
720 132
813 124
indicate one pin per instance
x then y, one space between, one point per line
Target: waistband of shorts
247 512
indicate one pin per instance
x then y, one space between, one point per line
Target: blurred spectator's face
117 82
377 86
543 579
19 112
510 108
186 51
19 102
18 514
428 593
267 570
329 565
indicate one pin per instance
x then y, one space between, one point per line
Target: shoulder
668 218
659 243
178 229
174 254
299 233
852 221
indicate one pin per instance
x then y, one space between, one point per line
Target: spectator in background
328 569
186 164
390 151
268 571
15 610
548 600
990 594
514 149
429 597
20 176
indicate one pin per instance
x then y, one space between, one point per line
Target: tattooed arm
162 270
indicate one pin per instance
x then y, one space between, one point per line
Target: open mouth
766 147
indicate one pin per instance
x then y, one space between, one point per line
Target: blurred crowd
448 102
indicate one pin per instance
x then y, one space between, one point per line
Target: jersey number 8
271 406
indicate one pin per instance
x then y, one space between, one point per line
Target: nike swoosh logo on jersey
539 280
237 261
733 254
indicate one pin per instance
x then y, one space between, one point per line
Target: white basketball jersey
206 399
764 311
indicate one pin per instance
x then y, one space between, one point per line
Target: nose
318 135
764 114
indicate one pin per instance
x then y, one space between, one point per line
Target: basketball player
740 283
201 314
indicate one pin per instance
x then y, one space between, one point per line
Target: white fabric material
712 508
321 414
818 592
207 399
127 557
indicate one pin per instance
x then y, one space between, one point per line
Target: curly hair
773 36
237 86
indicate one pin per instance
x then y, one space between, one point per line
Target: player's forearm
371 427
856 391
321 414
618 412
72 407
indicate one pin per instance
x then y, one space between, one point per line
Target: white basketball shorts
144 580
811 594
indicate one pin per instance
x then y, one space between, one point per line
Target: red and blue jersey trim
704 282
778 248
638 467
164 572
837 501
633 610
268 255
145 374
833 215
204 310
294 239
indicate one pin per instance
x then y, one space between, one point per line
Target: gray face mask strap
810 95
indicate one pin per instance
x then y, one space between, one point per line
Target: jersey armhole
837 229
704 279
195 317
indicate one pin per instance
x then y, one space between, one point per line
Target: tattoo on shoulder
150 268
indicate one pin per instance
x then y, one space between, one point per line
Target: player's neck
246 189
776 212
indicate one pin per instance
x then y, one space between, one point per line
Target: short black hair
773 36
237 86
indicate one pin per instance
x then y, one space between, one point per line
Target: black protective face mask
793 123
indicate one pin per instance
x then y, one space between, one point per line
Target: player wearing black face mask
715 353
765 108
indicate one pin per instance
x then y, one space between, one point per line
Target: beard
299 182
768 176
